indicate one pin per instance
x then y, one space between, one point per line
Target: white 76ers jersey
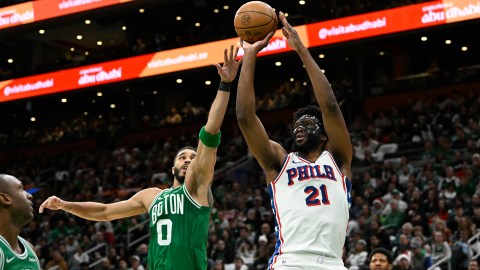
310 201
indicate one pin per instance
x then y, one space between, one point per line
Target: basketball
254 20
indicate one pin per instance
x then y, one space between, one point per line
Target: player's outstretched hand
290 33
229 69
257 46
52 203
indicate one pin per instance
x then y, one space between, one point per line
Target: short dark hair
383 251
183 148
310 110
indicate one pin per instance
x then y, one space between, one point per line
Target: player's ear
5 199
173 170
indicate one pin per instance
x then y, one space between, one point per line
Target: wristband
209 139
224 86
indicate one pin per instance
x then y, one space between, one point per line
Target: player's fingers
225 56
285 32
236 53
231 53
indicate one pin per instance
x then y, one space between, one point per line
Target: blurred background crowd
413 112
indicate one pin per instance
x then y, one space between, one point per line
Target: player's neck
10 233
312 155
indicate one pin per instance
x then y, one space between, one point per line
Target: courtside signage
39 10
339 30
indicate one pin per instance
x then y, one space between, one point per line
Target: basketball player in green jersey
15 212
179 216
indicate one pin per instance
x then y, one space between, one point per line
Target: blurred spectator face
404 263
438 237
220 245
473 265
380 262
218 265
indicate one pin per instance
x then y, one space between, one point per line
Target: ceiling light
85 113
178 18
448 41
33 119
179 81
208 82
292 79
304 83
72 49
382 53
99 94
301 2
93 101
423 38
197 24
124 28
87 21
64 100
99 43
79 37
323 70
112 106
464 48
100 116
216 10
41 31
278 64
141 10
87 53
226 7
10 60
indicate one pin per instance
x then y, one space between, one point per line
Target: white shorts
306 262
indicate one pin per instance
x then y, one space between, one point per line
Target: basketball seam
256 26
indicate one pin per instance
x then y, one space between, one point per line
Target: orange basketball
254 20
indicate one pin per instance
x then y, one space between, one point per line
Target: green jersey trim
20 256
190 198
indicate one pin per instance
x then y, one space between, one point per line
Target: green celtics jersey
10 260
178 232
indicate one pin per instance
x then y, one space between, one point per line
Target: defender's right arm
137 204
269 154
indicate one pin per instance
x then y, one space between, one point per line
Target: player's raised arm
137 204
335 126
200 172
269 154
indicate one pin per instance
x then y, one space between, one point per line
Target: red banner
46 9
339 30
392 21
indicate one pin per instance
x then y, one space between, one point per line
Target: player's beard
309 143
176 174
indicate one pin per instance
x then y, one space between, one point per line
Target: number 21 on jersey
313 193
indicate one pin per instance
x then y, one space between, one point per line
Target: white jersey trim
27 245
154 199
1 259
284 166
190 198
20 256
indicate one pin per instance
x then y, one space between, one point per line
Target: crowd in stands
422 202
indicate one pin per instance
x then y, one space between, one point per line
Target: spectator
57 261
440 249
420 260
381 259
358 257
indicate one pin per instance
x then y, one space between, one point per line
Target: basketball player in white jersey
309 188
